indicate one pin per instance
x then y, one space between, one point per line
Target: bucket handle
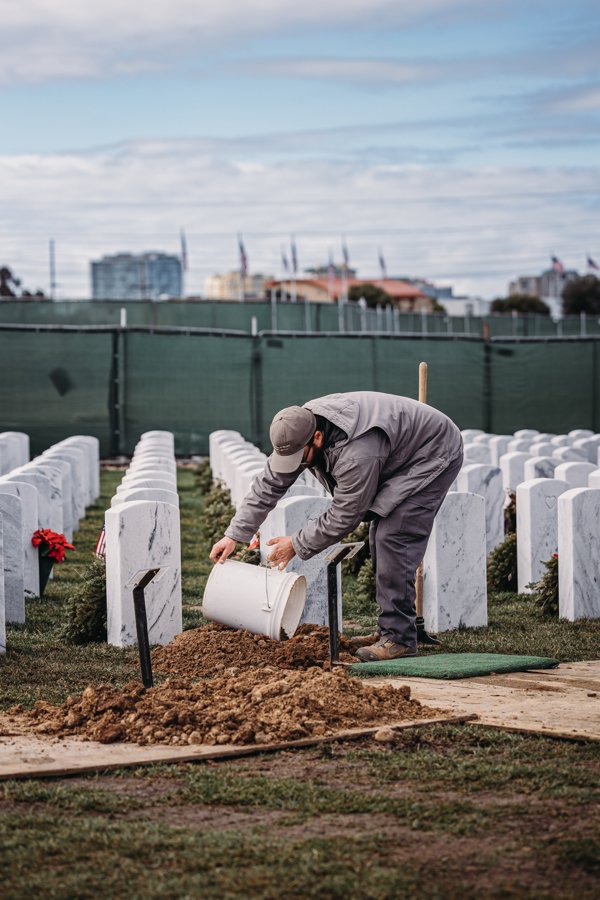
267 607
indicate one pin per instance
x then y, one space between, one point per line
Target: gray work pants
398 543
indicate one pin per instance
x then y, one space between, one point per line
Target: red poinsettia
51 543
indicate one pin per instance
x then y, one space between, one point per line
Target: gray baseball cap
290 432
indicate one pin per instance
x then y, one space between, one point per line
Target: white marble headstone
454 566
2 606
578 433
537 527
59 473
28 496
163 483
543 448
74 456
18 454
14 592
477 453
55 497
569 454
288 517
145 494
87 464
513 469
520 445
578 554
575 474
245 473
523 433
142 535
42 484
589 446
487 482
498 446
540 467
469 433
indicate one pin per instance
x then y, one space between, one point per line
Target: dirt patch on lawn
253 707
206 651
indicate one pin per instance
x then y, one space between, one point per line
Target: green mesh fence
116 383
551 386
55 384
320 317
188 384
296 369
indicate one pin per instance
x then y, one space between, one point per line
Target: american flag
284 261
382 265
243 257
101 544
592 264
557 265
294 256
184 259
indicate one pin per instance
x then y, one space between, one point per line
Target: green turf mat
453 665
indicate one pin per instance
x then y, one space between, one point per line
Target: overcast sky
459 138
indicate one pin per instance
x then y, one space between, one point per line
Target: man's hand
222 549
283 552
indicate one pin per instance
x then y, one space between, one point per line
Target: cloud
584 98
476 228
59 39
352 69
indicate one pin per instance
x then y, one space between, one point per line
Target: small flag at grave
101 544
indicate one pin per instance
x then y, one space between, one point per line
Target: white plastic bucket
257 599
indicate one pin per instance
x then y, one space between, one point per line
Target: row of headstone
235 463
556 479
143 533
50 491
530 454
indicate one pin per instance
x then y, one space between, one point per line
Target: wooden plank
562 702
26 755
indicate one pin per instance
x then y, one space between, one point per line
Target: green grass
149 860
448 811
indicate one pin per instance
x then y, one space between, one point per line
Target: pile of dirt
203 652
252 707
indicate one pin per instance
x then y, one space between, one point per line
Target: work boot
364 640
385 649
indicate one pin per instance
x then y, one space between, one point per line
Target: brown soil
257 706
204 651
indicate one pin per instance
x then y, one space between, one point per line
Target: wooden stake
419 575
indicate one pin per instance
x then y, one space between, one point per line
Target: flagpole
52 269
294 268
273 308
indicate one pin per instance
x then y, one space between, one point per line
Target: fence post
256 389
487 379
116 393
595 386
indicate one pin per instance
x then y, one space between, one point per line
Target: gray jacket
395 446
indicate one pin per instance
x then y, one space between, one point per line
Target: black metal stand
340 552
423 637
141 626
